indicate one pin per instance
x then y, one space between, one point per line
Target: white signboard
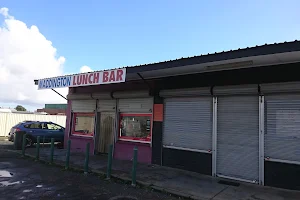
85 79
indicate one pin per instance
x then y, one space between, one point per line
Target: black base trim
188 160
282 175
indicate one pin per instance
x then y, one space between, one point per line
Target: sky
40 39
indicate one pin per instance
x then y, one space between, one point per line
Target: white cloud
85 68
4 12
25 55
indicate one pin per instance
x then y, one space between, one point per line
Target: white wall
8 120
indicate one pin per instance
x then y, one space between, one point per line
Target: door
55 131
106 132
37 129
238 138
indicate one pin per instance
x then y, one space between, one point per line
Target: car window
34 126
51 126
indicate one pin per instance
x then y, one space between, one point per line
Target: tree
20 108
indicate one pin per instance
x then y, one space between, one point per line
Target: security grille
188 123
238 137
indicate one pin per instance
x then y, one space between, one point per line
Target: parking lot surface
26 179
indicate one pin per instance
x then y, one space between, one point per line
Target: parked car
46 131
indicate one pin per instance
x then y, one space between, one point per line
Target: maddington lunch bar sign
85 79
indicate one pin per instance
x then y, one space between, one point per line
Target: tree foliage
20 108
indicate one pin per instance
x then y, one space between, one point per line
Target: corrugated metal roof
264 49
257 50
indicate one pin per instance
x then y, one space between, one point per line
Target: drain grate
229 183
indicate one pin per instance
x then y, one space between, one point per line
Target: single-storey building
233 114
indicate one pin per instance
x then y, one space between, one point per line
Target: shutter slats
237 137
107 105
282 123
138 105
83 105
188 123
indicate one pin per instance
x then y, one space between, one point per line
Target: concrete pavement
179 182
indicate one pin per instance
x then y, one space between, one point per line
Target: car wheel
29 142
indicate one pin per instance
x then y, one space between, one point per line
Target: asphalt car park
25 179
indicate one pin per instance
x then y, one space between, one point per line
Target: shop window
135 127
83 124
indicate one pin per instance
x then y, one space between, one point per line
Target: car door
55 131
37 129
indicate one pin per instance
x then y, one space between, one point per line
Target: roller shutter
282 122
188 123
107 105
238 134
83 105
135 105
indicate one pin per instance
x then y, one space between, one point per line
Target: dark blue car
46 131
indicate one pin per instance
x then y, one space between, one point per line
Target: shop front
121 119
232 115
134 127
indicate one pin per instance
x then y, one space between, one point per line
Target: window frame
134 139
79 134
28 126
61 128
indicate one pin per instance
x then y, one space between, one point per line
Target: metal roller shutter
136 105
188 123
282 127
83 105
238 137
107 105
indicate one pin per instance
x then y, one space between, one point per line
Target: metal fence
8 120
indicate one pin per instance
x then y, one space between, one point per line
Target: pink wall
78 144
124 151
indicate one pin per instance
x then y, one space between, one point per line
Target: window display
83 124
135 127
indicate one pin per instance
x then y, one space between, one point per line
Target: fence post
52 151
109 161
37 156
23 145
87 154
68 155
134 164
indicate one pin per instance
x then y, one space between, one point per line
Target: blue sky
111 34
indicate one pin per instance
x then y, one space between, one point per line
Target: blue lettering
68 81
54 82
64 81
44 83
58 82
40 84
